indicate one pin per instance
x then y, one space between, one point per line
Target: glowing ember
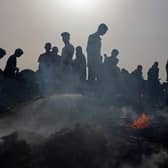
142 122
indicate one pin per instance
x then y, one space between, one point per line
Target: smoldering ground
49 114
71 130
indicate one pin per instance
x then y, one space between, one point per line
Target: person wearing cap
67 51
94 52
11 67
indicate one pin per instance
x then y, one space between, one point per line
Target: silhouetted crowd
97 75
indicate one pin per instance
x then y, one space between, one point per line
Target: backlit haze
138 28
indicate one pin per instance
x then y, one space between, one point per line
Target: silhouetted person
153 82
111 70
11 69
111 73
137 73
2 54
126 82
46 69
67 52
56 64
153 73
112 60
56 57
45 60
94 52
80 64
167 71
138 81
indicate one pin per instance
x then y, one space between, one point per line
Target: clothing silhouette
80 64
167 71
94 52
67 51
11 69
45 60
153 83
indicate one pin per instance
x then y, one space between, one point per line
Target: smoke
46 120
49 114
156 160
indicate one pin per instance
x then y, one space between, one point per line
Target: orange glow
142 122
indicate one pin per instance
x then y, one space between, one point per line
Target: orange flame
142 122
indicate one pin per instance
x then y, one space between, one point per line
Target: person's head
55 49
140 67
102 29
48 47
124 71
2 53
65 37
156 64
114 52
18 52
78 49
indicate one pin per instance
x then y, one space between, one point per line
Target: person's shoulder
71 47
93 36
11 58
110 58
41 56
134 72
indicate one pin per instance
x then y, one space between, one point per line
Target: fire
142 122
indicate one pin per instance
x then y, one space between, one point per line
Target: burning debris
142 122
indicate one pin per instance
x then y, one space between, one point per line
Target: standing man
2 54
56 57
94 52
45 60
79 64
154 83
167 71
67 52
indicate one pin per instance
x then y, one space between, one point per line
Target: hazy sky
138 28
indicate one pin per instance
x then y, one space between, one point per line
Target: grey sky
138 28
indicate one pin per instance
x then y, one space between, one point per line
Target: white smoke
49 114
